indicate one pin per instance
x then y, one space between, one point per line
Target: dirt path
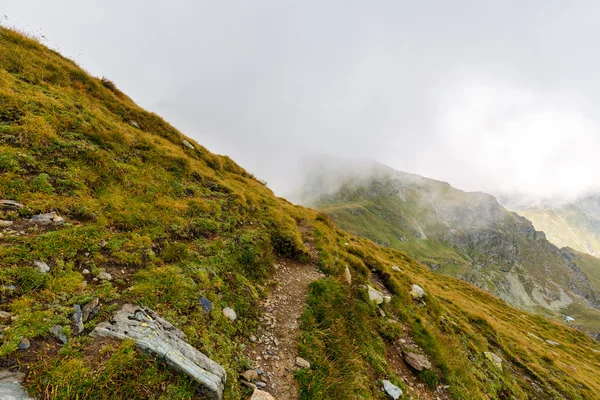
274 350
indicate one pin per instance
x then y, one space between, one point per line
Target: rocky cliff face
490 246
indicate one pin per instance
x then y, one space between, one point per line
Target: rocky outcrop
155 335
11 387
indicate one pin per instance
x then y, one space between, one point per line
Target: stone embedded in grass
392 390
41 266
396 268
78 319
496 360
105 276
229 313
5 317
134 124
261 395
10 204
153 334
188 144
417 361
59 333
4 223
48 218
347 275
11 387
417 292
206 305
24 344
302 363
375 295
552 342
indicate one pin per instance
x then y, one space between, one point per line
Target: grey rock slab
392 390
417 292
90 309
417 361
155 335
11 387
188 144
10 204
59 333
48 218
41 266
375 295
206 305
78 319
229 313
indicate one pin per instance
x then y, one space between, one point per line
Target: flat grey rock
41 266
375 295
417 292
48 218
392 390
188 144
11 387
155 335
78 319
59 333
10 204
417 361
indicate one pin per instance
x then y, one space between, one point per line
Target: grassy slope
172 224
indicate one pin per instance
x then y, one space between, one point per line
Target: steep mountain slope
107 188
575 225
468 235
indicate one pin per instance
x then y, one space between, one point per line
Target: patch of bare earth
274 349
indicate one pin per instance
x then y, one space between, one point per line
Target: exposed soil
274 350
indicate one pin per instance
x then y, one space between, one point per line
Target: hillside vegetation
172 222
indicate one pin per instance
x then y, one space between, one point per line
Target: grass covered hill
171 222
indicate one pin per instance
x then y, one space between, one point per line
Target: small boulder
11 387
59 333
496 360
105 276
229 313
188 144
347 275
24 344
392 390
5 317
375 295
417 292
78 319
302 363
250 375
568 318
48 218
417 361
261 384
261 395
41 266
10 204
396 268
134 124
206 305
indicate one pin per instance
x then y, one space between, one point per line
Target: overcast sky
501 97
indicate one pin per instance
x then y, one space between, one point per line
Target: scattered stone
417 292
48 218
375 295
552 342
5 317
261 395
188 144
417 361
259 370
347 275
496 360
90 310
134 124
155 335
253 338
206 305
78 319
41 266
5 223
105 276
387 299
229 313
11 387
396 268
59 333
10 204
568 318
302 363
392 390
250 375
24 344
261 384
85 271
